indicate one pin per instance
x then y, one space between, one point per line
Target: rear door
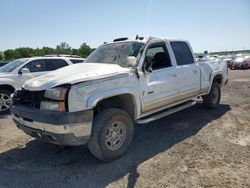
160 86
54 64
188 70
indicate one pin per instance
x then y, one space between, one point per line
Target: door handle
150 92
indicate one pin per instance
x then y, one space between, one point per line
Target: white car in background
14 74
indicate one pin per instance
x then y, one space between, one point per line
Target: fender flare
212 76
93 100
7 83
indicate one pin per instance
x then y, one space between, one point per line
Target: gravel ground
192 148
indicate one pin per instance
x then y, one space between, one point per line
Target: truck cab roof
145 39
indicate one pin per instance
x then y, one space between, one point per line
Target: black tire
103 122
212 99
3 96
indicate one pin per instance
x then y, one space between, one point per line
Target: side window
182 52
76 61
53 64
36 66
158 54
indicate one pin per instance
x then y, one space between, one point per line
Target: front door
159 87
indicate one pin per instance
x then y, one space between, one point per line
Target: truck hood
74 74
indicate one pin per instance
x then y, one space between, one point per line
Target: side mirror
24 70
149 70
147 65
131 61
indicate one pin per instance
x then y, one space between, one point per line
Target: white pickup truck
120 84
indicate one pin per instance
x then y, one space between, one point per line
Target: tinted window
182 52
36 66
53 64
159 56
76 61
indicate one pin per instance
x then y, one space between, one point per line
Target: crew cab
121 84
14 74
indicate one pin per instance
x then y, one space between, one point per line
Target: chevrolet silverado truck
121 84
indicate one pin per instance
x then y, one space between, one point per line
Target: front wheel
112 133
212 99
4 101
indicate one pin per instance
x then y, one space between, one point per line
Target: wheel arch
216 77
125 101
7 87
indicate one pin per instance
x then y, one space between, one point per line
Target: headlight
53 106
58 93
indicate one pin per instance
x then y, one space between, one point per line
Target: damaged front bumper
64 128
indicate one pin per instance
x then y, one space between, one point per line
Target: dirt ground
192 148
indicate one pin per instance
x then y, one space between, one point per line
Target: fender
87 97
93 100
7 82
212 76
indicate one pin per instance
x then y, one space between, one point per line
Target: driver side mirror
131 61
24 70
147 65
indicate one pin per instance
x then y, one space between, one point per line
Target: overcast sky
212 25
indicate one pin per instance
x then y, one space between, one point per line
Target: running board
166 112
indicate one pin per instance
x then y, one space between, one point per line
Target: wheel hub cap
115 135
4 102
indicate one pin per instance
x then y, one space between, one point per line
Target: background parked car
242 62
246 63
2 63
14 74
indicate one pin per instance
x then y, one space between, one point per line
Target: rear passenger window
53 64
76 61
182 52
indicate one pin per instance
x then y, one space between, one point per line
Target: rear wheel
4 101
212 99
112 133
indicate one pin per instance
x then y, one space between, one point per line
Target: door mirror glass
24 70
131 61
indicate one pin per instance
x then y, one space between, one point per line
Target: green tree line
63 48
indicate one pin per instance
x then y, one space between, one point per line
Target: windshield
12 65
115 53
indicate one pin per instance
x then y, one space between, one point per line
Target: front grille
29 98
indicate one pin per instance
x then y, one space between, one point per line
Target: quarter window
182 52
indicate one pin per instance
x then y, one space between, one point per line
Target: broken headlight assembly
56 99
58 93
